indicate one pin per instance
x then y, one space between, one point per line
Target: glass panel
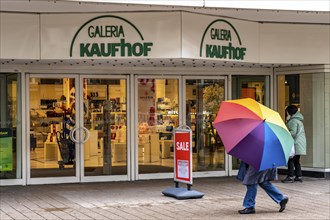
10 127
254 87
105 152
203 98
52 117
307 92
157 115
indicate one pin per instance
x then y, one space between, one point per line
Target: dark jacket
248 175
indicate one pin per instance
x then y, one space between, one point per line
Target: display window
308 92
202 102
10 126
105 118
158 114
52 118
254 87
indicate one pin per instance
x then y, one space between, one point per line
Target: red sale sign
182 156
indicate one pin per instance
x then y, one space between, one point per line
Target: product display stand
182 193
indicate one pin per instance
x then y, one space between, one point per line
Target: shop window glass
52 117
10 126
157 116
105 117
255 87
203 98
308 93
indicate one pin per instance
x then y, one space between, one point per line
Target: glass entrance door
77 128
104 117
53 115
162 105
158 113
202 101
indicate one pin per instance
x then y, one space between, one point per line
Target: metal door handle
71 135
87 134
73 131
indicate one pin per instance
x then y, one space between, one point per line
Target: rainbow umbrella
253 133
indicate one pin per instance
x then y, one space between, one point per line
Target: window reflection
203 98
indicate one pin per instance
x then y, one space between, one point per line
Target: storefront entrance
78 128
84 128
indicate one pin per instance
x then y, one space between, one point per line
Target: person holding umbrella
252 178
297 130
257 136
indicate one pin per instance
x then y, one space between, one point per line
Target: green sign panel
6 149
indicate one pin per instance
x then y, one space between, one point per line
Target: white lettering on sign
182 146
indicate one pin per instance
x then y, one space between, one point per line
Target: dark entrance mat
97 171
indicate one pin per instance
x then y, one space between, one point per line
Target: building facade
89 97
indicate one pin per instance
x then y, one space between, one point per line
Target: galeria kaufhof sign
221 40
109 36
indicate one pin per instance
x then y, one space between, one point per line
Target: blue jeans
270 189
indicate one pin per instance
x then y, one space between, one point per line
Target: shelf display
157 117
43 128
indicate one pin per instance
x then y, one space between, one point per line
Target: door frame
182 109
135 170
48 180
80 123
79 147
20 150
227 157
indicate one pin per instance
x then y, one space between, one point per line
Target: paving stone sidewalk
144 200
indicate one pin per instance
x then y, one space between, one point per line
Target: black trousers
294 167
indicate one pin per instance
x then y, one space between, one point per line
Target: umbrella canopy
253 133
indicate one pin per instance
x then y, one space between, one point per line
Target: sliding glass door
203 97
77 128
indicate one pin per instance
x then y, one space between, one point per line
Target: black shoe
283 204
247 211
288 179
298 179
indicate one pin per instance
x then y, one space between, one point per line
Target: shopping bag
293 152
